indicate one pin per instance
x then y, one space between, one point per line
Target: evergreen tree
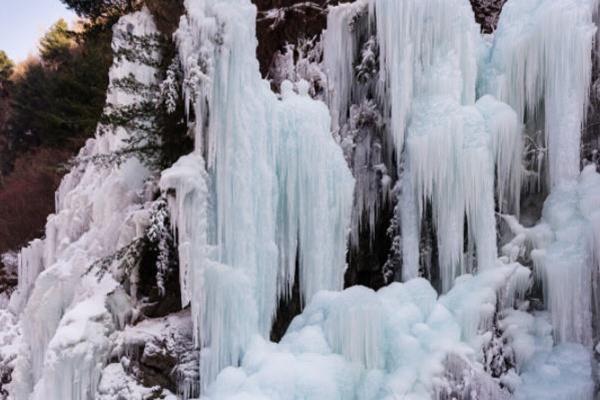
6 67
55 46
156 123
59 100
95 9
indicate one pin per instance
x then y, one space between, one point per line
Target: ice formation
539 63
428 93
564 250
276 190
394 343
267 200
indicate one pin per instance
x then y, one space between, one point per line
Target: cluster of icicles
266 200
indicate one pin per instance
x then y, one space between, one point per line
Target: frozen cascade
265 200
429 95
278 191
565 253
65 322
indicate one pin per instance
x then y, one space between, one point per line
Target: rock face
287 21
487 13
160 352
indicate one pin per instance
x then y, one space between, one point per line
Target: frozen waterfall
421 112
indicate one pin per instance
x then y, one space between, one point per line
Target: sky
23 22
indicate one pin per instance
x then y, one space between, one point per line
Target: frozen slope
65 320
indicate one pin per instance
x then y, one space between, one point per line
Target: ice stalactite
341 49
350 61
461 181
540 64
415 37
433 85
426 84
65 320
31 264
185 184
279 191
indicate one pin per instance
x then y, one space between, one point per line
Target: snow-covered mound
399 342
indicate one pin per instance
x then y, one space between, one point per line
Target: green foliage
156 123
55 45
157 242
60 100
6 67
95 9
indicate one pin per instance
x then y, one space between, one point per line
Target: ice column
451 145
279 192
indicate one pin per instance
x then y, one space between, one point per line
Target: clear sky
23 22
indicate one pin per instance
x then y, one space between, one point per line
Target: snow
116 384
155 343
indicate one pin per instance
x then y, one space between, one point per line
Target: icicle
411 231
540 63
458 183
340 49
186 186
507 146
414 37
279 190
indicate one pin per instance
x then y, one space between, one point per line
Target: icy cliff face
399 105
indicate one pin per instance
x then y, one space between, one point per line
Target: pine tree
95 9
156 123
55 46
58 101
6 67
